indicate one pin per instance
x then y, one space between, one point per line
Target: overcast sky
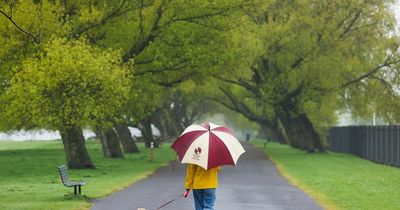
397 11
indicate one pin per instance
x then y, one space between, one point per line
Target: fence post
363 140
386 153
369 155
381 143
376 144
398 145
367 143
390 145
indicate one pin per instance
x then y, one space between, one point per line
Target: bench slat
65 178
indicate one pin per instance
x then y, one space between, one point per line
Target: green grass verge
338 181
29 176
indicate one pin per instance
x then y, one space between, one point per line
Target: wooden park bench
67 182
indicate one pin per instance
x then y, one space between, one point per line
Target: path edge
318 197
140 177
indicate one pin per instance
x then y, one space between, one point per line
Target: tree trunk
110 143
103 139
262 134
294 133
75 148
145 128
302 133
291 133
273 134
309 132
159 122
277 134
113 144
167 123
173 125
125 136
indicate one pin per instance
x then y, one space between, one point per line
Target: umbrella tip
207 125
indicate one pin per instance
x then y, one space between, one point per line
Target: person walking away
204 184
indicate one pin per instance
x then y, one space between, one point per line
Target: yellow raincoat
199 178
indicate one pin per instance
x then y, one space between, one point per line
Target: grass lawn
29 176
338 181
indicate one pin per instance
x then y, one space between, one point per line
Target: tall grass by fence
377 143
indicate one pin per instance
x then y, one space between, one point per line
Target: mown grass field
338 181
29 177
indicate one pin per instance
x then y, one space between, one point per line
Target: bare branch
222 102
141 19
162 70
352 22
239 107
206 26
174 82
297 63
139 62
387 85
143 43
122 9
241 83
370 73
34 39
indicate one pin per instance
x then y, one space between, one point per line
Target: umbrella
208 145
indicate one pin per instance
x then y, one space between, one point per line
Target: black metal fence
377 143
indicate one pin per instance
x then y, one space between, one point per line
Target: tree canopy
289 66
69 83
314 55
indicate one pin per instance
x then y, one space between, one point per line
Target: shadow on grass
73 197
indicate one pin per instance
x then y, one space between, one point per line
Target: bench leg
79 189
75 190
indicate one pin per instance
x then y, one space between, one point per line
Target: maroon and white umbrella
208 145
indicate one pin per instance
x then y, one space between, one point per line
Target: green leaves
269 49
314 58
70 84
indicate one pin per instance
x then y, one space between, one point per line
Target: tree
181 107
171 42
24 20
66 86
40 22
313 53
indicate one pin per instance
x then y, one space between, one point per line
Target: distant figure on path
203 183
248 137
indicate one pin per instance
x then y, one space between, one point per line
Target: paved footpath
254 184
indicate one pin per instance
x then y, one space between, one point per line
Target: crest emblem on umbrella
196 155
197 150
208 145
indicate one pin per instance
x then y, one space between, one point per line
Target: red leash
170 201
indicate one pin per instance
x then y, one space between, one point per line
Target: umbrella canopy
208 145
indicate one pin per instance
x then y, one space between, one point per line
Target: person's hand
186 193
